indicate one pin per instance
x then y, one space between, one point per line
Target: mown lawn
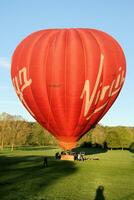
23 177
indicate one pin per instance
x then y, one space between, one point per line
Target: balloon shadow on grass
25 177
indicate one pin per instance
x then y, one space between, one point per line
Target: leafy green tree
119 137
113 140
18 132
98 136
33 136
3 127
39 136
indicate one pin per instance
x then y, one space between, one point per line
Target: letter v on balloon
98 95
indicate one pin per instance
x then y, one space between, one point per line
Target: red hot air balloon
68 79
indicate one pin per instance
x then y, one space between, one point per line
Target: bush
86 144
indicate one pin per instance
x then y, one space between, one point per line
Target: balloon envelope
68 79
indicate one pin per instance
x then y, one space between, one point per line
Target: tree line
119 137
15 131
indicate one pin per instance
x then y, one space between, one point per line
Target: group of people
77 156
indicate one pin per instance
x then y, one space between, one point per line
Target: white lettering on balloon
21 82
110 90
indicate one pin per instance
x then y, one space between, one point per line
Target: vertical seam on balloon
84 54
31 50
28 62
49 101
43 67
105 108
115 44
39 110
112 88
91 34
88 122
65 69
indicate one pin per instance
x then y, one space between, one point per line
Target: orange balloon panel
68 79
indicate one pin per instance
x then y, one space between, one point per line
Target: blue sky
20 18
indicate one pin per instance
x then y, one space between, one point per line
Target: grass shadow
90 150
32 148
26 176
131 147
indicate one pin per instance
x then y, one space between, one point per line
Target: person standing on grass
80 157
45 163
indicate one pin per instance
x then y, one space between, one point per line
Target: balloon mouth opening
67 145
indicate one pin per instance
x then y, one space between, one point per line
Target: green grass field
23 177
